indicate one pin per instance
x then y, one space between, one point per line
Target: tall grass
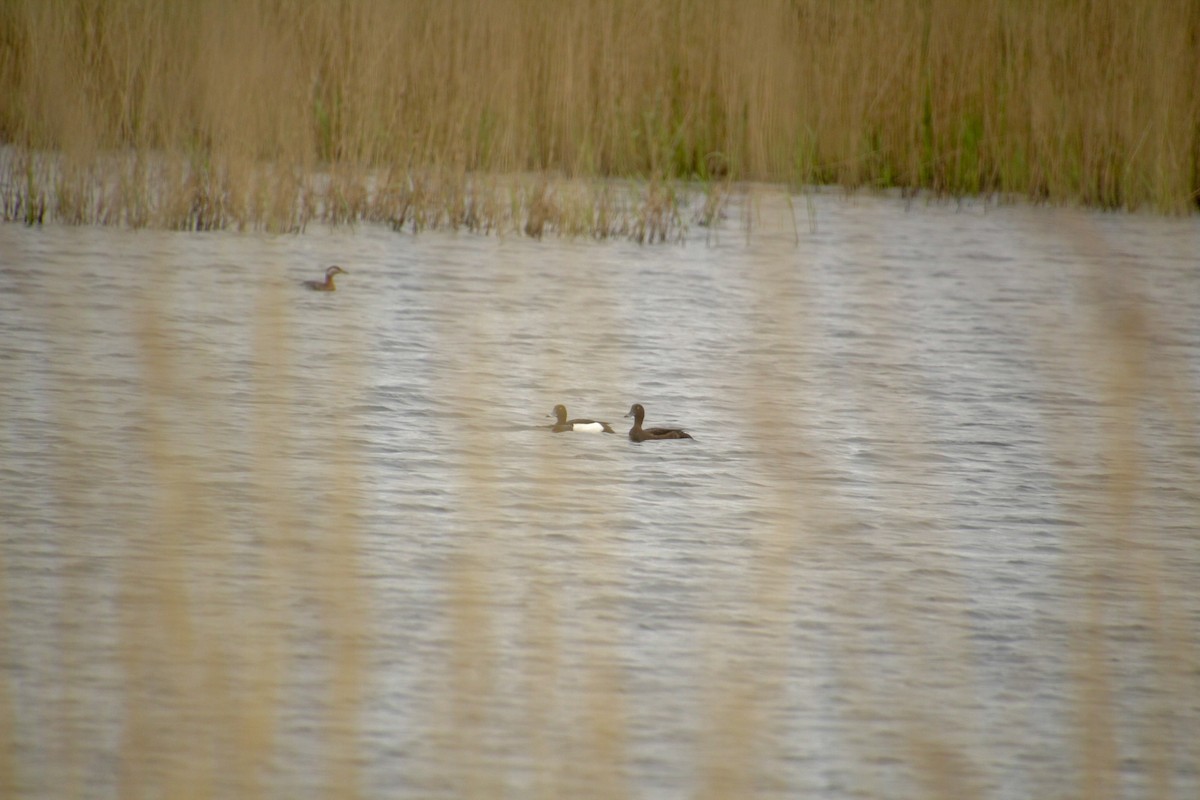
222 111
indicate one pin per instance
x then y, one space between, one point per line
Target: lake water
938 533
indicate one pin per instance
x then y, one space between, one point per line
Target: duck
562 424
327 284
639 434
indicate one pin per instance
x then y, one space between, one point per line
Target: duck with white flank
562 424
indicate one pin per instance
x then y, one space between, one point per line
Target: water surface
938 526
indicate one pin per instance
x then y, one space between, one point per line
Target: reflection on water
936 533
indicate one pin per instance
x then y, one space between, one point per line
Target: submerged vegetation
211 114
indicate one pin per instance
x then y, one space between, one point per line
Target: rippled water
938 526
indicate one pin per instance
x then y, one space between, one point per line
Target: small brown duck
639 434
327 284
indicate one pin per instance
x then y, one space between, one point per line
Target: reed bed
218 114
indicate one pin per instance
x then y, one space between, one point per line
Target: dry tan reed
218 113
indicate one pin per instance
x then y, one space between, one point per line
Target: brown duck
640 434
327 284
